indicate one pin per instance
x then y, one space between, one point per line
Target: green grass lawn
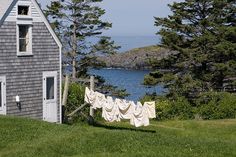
29 138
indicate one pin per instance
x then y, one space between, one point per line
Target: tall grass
31 138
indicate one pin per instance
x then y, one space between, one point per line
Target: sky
132 17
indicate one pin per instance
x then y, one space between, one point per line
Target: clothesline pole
65 97
91 112
65 93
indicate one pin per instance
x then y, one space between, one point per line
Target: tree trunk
74 54
73 67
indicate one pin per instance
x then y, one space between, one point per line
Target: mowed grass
30 138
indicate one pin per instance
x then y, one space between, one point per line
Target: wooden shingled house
30 62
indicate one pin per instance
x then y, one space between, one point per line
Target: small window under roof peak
23 10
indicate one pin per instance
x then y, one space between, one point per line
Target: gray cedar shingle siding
24 74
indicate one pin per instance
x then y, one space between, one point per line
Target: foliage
32 138
75 21
215 105
150 80
108 89
105 46
75 98
179 108
204 34
163 110
210 105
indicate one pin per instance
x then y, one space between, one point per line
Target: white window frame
29 49
27 4
48 74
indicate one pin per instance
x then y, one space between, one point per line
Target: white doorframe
50 106
3 108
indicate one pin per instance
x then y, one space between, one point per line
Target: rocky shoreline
138 58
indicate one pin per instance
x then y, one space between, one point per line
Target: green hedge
171 109
211 105
75 99
215 105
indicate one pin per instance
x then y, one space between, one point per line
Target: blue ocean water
131 80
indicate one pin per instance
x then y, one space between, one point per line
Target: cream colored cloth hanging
150 107
121 109
100 100
89 96
110 111
140 116
126 108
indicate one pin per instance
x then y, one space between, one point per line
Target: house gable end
36 12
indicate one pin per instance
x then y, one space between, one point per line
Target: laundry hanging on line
118 109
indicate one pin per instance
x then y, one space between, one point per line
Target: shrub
217 105
179 108
163 110
75 96
150 80
75 99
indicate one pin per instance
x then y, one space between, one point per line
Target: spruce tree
203 33
75 21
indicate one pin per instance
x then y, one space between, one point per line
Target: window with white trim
24 39
23 10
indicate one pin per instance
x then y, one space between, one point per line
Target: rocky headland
138 58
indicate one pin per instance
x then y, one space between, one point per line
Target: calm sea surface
131 80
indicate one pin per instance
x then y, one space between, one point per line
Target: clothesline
118 109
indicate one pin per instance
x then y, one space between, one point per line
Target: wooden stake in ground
64 98
91 112
65 93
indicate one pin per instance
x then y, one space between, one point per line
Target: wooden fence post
65 93
64 98
91 112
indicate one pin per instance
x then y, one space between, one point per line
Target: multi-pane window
24 28
24 40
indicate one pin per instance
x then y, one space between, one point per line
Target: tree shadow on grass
100 125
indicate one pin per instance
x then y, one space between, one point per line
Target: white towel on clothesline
150 107
118 109
89 96
100 99
140 116
110 111
126 108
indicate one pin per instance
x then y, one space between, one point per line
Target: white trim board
3 109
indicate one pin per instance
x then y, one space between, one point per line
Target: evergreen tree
75 21
203 32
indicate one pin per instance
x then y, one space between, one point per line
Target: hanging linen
126 108
110 111
115 110
150 107
100 99
89 96
140 116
